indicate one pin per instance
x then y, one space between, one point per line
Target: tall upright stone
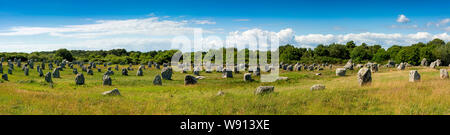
75 71
90 72
424 62
157 80
124 72
107 80
364 76
166 73
116 68
433 64
443 74
48 77
79 79
414 76
1 68
26 71
56 73
10 71
349 65
401 66
5 77
140 72
41 73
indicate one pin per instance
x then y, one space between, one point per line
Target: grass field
389 93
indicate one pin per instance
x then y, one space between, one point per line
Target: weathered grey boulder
318 74
364 76
140 72
349 65
317 87
220 93
282 78
114 92
109 72
424 62
124 71
116 68
10 71
107 80
90 72
401 66
261 90
433 65
157 80
56 73
227 73
75 71
189 80
200 77
340 71
248 77
40 73
99 70
79 79
1 68
5 77
48 77
257 71
438 62
26 71
311 67
414 76
290 68
166 73
443 74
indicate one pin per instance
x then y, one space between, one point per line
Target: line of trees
332 53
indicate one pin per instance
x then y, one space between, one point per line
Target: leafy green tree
409 55
64 54
380 56
359 54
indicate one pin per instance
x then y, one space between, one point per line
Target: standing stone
290 68
40 73
189 80
414 76
75 71
166 73
424 62
374 67
364 76
261 90
116 68
196 72
298 68
43 65
79 79
140 72
107 80
349 65
438 62
114 92
157 66
227 74
109 72
1 68
50 66
10 71
99 70
340 71
317 87
401 66
5 77
48 77
433 65
26 71
90 72
3 60
257 71
56 73
157 80
444 74
124 71
248 77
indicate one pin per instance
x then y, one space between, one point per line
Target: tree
443 53
409 55
359 54
64 54
380 56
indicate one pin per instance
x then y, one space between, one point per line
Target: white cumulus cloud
402 19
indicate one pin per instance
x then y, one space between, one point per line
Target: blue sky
30 25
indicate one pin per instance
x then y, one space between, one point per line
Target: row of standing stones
364 75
